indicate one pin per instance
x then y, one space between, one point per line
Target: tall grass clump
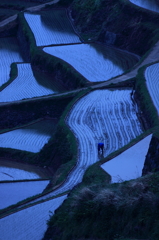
125 209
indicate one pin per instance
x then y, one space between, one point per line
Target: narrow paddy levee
96 62
52 27
26 86
31 138
30 223
152 76
147 4
9 53
12 193
129 164
107 116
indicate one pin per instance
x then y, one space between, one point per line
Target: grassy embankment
132 25
97 210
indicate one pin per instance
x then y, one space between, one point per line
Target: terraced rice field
129 164
107 116
94 61
152 76
12 193
9 53
147 4
26 86
30 223
7 173
31 138
51 27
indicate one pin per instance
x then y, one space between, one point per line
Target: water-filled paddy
26 86
31 138
129 164
11 193
94 61
147 4
51 27
30 223
9 53
152 76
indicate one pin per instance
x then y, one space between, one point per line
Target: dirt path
8 20
39 7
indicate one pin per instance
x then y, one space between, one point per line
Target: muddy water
30 223
31 138
11 193
147 4
35 171
129 164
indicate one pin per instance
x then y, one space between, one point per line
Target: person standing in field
100 147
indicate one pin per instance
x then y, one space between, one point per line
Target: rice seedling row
95 62
51 28
94 119
147 4
152 75
30 223
9 53
12 193
25 86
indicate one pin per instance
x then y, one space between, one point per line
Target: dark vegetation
129 26
102 211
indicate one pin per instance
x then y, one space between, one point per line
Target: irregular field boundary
58 184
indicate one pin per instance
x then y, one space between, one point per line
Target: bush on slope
103 211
